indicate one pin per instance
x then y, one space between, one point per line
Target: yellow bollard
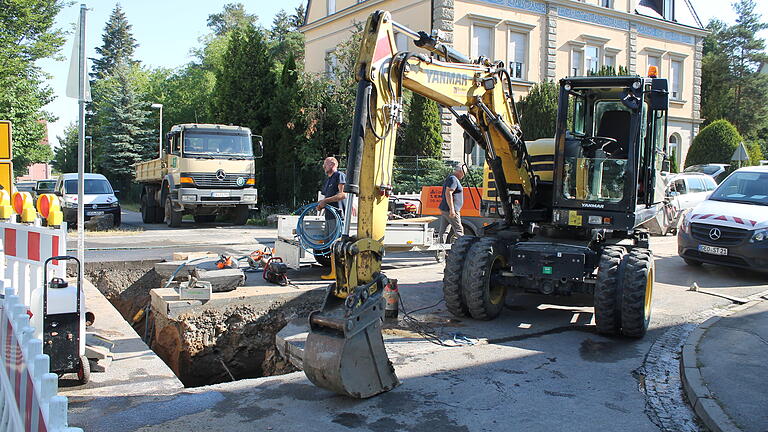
6 211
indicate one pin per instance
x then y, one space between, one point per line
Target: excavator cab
609 151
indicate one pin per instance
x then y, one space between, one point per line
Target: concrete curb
703 402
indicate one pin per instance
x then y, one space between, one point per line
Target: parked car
26 186
44 187
687 190
731 226
99 198
716 171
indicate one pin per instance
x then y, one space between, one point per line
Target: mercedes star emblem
221 175
715 233
95 206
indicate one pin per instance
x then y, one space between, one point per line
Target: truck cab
205 170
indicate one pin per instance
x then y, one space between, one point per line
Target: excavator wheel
484 299
637 292
607 318
454 266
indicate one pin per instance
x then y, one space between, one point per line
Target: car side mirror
258 146
673 193
57 193
469 144
116 192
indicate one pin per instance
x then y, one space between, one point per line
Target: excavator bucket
345 351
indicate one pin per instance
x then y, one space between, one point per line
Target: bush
714 144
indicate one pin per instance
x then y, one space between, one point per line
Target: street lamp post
90 157
160 107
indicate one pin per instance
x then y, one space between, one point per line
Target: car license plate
220 194
94 213
713 250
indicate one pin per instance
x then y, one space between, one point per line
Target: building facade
541 40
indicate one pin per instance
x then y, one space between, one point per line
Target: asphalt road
538 367
135 240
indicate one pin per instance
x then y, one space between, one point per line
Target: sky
166 31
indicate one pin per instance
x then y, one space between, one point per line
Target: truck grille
728 236
210 180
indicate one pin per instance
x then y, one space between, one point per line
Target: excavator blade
345 351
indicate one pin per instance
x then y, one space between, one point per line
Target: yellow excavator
568 216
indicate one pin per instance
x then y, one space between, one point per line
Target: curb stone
699 397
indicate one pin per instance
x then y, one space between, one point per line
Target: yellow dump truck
204 170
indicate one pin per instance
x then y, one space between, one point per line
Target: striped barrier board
28 401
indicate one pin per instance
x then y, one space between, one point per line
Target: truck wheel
172 217
485 300
637 292
147 216
240 215
454 265
205 218
607 319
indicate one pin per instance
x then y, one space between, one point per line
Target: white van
99 198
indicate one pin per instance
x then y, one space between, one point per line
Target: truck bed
150 171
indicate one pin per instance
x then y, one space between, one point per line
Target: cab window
696 184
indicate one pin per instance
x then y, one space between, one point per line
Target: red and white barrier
28 400
25 249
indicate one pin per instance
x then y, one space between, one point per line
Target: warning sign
5 140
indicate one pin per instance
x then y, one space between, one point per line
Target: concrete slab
134 370
222 280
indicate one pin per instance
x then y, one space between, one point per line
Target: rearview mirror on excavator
469 144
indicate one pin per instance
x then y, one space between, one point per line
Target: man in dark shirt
450 204
333 193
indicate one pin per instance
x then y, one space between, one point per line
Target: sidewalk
723 364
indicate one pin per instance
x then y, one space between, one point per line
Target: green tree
609 71
124 133
233 16
732 87
422 135
755 153
27 34
285 37
65 155
715 143
118 44
246 85
538 111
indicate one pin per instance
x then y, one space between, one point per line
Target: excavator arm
345 351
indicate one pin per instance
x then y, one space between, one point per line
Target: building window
669 9
655 61
518 43
592 54
610 61
482 42
606 3
401 42
673 149
577 62
676 79
331 6
331 64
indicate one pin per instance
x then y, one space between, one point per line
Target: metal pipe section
355 152
423 40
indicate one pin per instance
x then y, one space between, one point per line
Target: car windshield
217 145
706 169
46 186
92 186
743 187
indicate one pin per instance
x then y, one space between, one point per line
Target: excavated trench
207 345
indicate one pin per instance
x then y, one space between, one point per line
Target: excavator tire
484 299
607 318
637 292
454 266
